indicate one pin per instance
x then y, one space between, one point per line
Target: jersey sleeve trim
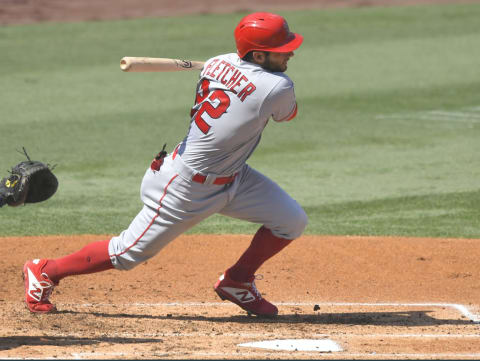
294 113
290 116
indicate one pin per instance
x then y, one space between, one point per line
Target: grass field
386 142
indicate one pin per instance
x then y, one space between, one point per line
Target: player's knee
293 224
300 223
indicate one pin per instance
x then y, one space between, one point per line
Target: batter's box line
456 306
459 307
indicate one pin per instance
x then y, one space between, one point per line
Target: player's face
277 61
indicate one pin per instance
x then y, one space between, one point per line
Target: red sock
264 246
92 258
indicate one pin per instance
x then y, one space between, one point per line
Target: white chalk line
459 307
462 309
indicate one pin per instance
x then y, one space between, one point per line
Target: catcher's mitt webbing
29 182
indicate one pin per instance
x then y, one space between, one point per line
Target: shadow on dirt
407 319
7 343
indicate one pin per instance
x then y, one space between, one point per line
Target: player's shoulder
278 82
281 79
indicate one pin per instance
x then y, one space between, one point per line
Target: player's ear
259 57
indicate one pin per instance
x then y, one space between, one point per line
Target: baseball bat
142 64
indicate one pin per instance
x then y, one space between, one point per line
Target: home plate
296 345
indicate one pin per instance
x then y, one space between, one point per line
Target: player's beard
268 65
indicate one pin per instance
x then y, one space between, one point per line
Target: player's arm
281 103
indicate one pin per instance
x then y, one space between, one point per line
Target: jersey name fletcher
231 77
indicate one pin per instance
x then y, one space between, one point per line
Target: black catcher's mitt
29 182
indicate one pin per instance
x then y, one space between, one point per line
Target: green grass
364 156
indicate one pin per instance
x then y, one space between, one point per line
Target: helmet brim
291 45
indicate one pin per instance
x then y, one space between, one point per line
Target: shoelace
254 287
47 288
46 294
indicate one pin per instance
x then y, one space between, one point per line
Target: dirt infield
376 297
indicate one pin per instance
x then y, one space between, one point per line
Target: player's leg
170 208
92 258
258 199
41 275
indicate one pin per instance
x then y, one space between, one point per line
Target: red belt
218 181
202 178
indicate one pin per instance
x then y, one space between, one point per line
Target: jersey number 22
214 112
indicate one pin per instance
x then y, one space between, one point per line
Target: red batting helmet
265 32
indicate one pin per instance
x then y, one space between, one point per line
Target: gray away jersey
233 103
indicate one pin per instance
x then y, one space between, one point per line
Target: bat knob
123 64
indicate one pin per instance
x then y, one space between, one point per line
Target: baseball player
206 173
